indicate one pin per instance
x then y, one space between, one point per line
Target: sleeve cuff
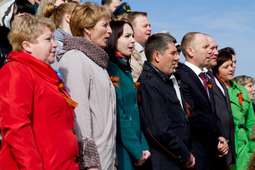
88 154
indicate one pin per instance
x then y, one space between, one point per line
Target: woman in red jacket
36 114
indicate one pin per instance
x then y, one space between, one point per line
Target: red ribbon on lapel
137 85
114 81
66 96
188 107
240 97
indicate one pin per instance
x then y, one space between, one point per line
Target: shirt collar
194 68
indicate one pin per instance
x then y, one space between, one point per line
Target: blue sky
229 22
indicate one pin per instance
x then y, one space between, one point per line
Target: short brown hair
157 42
28 28
187 40
86 15
132 16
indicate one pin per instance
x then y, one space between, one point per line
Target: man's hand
222 147
190 163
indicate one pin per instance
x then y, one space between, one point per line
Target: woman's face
100 33
226 70
126 41
45 47
250 88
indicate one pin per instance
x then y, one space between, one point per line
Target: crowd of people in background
87 86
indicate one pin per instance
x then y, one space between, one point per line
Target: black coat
205 125
223 110
5 46
163 121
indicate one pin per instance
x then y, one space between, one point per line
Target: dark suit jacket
164 122
205 125
223 110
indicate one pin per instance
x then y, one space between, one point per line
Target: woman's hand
146 155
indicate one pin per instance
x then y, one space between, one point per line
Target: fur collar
91 50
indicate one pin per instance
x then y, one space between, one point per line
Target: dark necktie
212 78
203 77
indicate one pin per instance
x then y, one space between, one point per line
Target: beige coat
90 86
136 61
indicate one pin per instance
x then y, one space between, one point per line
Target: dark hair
228 49
106 2
24 6
222 58
117 31
157 42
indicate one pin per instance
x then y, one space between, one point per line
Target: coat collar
91 50
147 66
41 68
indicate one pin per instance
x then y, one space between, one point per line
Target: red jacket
37 124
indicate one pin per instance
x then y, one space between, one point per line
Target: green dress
244 120
130 139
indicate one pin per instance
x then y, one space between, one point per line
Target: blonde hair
28 28
57 14
244 80
44 6
86 15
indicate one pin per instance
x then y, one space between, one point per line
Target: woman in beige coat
83 64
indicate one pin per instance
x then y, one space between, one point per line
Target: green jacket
244 120
130 139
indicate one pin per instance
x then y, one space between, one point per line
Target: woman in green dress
132 148
242 110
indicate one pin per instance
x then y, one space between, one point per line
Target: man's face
215 52
113 5
168 61
202 52
142 29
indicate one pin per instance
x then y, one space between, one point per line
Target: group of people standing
81 90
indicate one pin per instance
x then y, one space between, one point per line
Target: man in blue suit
207 135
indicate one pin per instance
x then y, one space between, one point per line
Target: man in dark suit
163 110
207 139
223 108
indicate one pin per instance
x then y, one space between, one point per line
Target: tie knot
202 75
210 74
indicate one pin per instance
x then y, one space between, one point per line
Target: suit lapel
195 78
199 84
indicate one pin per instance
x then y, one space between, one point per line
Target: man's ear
190 51
27 46
156 56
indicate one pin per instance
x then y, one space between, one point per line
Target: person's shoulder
148 78
184 71
113 69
